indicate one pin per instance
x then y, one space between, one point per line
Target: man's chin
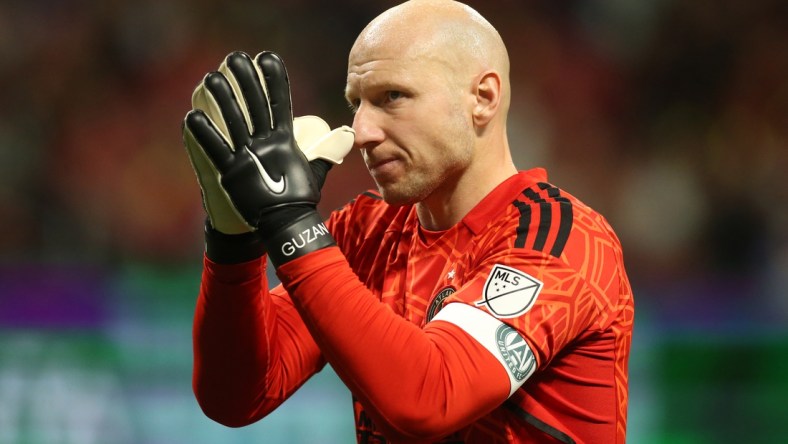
394 196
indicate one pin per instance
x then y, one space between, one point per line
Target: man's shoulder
540 217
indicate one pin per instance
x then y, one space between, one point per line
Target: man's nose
367 125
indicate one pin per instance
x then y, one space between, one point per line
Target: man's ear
487 90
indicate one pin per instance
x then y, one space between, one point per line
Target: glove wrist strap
232 248
307 234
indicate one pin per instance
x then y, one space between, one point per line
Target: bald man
462 301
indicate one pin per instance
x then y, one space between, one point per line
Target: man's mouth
383 168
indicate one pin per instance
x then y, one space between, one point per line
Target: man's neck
449 204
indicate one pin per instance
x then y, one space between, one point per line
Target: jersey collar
501 197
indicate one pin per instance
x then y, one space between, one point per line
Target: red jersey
531 276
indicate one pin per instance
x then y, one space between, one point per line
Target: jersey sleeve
533 296
415 383
251 349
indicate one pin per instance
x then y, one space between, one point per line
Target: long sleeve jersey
513 326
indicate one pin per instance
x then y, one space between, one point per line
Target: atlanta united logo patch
515 352
508 293
437 302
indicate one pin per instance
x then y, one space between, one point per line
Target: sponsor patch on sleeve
509 292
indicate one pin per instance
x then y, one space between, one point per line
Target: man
463 302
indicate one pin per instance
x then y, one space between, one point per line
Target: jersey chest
413 275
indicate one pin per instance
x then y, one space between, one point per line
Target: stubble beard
420 181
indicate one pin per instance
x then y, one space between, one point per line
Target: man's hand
241 112
245 148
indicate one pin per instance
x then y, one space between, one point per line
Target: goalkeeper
462 301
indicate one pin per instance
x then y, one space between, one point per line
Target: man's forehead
377 66
380 49
377 73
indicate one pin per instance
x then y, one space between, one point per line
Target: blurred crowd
670 117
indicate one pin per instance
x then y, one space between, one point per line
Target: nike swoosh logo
276 186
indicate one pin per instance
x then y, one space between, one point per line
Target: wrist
232 248
304 235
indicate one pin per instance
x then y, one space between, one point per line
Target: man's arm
417 384
251 349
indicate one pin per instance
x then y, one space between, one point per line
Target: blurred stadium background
669 116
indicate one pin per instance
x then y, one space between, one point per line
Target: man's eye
393 95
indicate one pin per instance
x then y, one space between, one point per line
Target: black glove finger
275 76
219 87
200 127
320 168
242 67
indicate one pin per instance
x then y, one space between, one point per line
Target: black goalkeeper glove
244 129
